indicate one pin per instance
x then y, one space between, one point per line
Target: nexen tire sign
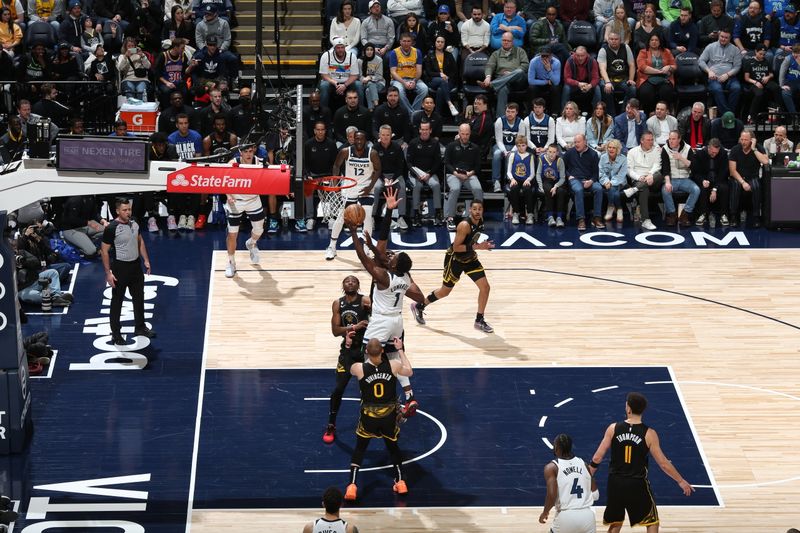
230 179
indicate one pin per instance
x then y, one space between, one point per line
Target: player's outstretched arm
550 479
378 274
403 366
605 444
337 164
651 437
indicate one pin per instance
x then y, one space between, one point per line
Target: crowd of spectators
552 83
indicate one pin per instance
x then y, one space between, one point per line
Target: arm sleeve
551 132
737 64
509 165
498 134
784 70
561 172
556 71
539 182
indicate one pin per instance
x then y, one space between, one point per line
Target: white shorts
384 328
250 203
574 521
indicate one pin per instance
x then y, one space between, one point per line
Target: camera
44 282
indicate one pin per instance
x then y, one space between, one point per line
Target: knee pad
258 226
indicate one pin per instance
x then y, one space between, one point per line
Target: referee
125 271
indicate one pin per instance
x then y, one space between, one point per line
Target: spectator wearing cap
398 9
64 66
224 8
103 68
544 78
338 70
377 29
710 25
786 30
444 26
208 64
508 21
170 70
727 129
212 24
46 11
759 81
71 27
346 26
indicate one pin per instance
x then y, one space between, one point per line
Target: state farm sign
230 179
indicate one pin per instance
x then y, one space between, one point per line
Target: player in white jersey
239 204
570 489
363 165
330 521
391 284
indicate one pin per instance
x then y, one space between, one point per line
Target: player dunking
461 258
377 379
363 165
570 489
349 320
236 206
628 487
391 284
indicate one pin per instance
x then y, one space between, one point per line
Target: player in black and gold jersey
461 258
349 321
377 378
631 441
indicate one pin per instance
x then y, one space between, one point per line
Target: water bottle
47 298
285 216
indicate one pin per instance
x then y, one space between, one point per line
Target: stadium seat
689 79
582 33
474 66
40 32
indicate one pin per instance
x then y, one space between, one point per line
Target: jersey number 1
576 489
396 298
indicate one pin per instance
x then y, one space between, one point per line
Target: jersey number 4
576 489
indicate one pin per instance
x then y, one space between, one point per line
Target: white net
331 202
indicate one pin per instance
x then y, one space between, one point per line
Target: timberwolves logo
180 181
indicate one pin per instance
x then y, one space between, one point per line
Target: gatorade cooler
141 118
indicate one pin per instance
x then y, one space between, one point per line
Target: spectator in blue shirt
121 129
544 78
509 21
188 143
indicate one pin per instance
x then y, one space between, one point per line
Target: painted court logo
180 181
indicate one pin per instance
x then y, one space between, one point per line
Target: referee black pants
129 276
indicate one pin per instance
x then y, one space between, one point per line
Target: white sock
337 228
369 222
231 259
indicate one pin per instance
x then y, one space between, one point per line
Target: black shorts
372 427
454 268
348 357
632 495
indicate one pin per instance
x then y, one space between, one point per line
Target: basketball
354 214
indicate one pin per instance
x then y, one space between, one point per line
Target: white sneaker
559 222
310 224
723 220
171 225
497 186
620 216
330 253
648 225
253 248
609 213
230 270
453 109
182 222
630 192
152 225
529 219
515 219
394 225
551 222
189 223
401 223
700 220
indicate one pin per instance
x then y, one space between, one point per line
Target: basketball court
216 425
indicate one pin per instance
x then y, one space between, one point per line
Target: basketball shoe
419 313
352 492
230 270
330 253
253 248
399 487
410 409
330 434
484 326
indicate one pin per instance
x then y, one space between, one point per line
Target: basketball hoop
329 189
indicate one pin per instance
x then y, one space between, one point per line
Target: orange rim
323 184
